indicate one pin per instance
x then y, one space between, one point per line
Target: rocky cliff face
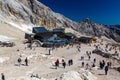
93 29
90 28
31 12
25 14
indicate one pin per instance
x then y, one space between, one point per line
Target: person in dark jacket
2 76
69 62
101 65
103 62
64 64
56 65
106 70
19 61
94 60
82 64
26 61
93 65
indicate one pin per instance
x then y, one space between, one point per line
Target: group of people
102 64
108 48
88 55
87 65
20 60
70 62
105 66
63 62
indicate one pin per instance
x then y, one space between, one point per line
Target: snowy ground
5 38
42 64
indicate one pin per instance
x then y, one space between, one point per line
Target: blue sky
99 11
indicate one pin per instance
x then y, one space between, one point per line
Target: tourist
26 61
82 64
18 50
19 61
109 64
64 64
93 65
50 51
63 60
90 53
57 62
101 65
89 57
87 53
56 65
82 57
87 66
69 62
94 60
78 49
2 76
106 70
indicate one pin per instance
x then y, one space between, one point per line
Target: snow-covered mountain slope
24 14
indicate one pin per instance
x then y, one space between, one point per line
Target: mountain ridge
94 29
34 13
25 14
114 28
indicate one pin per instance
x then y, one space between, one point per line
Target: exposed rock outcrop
25 14
32 12
94 29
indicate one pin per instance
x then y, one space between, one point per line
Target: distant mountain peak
25 14
90 28
87 20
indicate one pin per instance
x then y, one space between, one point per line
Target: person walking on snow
26 61
19 61
2 76
64 64
106 70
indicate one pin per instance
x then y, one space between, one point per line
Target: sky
99 11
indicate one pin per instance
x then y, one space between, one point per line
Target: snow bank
81 75
87 75
23 27
5 38
3 59
70 75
